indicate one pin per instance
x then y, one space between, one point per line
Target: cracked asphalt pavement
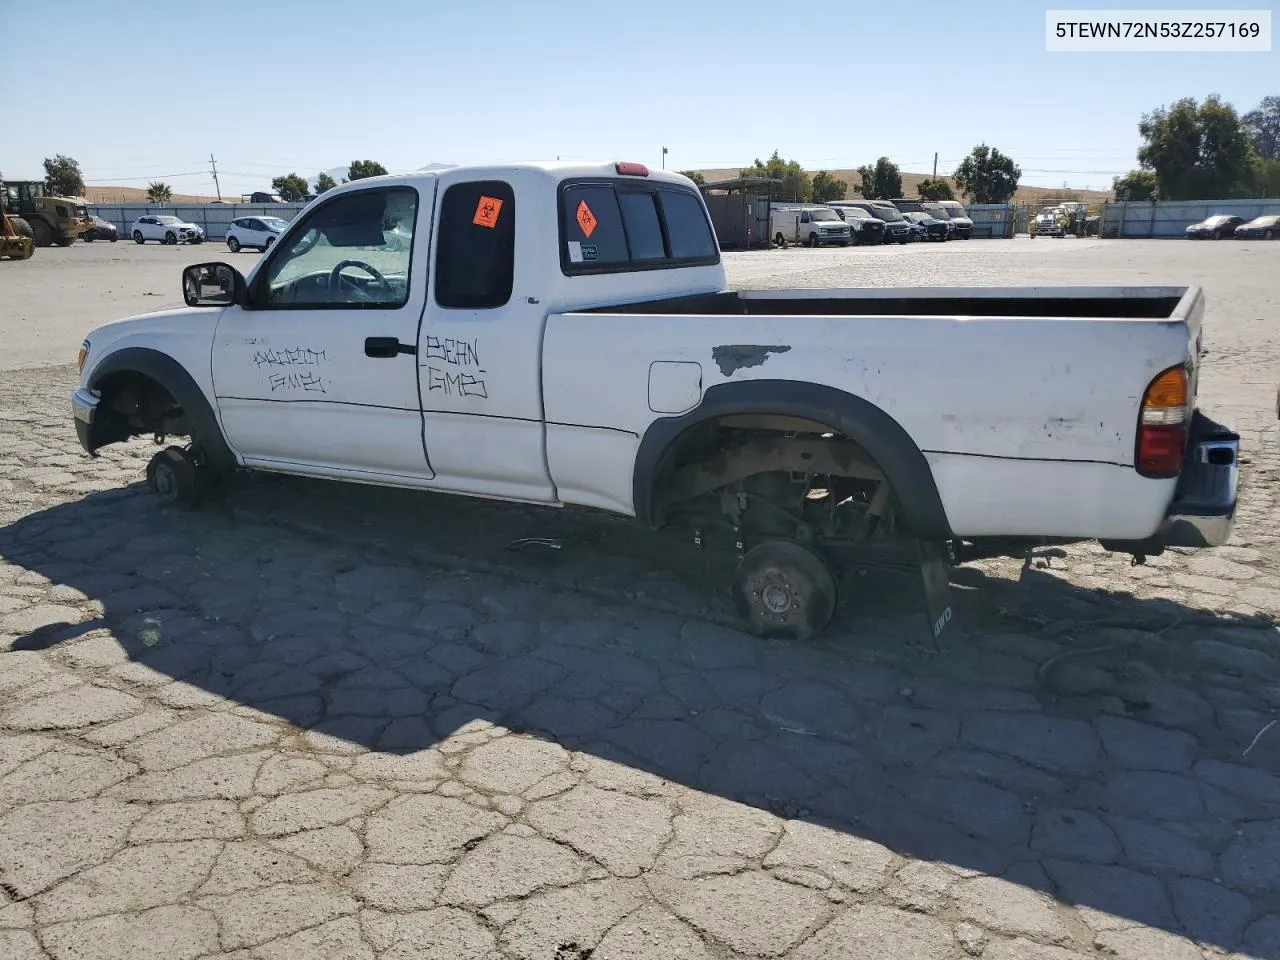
317 720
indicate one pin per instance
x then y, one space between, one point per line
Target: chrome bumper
83 405
1203 511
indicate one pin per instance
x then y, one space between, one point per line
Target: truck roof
555 169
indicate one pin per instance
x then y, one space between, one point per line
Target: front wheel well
134 404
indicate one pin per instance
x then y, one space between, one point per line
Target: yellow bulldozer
45 219
13 245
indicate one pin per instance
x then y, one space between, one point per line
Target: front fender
883 438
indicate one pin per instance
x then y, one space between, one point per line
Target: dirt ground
320 720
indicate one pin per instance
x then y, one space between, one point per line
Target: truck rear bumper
1202 512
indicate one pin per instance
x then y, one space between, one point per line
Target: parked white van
811 224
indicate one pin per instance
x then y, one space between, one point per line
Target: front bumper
84 406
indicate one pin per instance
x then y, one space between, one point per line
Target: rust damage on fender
731 357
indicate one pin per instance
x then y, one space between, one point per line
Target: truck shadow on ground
1075 742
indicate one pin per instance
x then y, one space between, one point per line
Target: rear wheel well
776 476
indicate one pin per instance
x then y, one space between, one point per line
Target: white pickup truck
561 333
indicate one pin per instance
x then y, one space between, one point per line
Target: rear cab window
617 225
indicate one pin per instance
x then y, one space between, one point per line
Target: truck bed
1023 400
1133 303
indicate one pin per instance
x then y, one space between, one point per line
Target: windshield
855 212
168 220
954 208
1266 221
888 214
908 205
273 223
936 210
823 215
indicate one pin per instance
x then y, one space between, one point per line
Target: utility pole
216 185
664 158
935 165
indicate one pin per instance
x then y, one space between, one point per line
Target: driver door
309 377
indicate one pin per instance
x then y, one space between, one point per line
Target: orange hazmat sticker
586 219
487 210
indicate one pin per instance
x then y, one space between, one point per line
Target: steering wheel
335 275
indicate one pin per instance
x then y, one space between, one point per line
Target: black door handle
384 348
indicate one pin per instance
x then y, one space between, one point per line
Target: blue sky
149 89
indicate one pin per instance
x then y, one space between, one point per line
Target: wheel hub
777 598
166 482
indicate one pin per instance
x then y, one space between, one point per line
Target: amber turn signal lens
1168 391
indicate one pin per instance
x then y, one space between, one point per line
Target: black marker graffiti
311 382
458 373
456 384
290 357
456 353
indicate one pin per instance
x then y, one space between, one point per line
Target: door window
475 253
353 251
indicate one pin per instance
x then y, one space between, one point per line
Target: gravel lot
326 721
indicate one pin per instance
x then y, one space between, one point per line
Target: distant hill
139 195
910 180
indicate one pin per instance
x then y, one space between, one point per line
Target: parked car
866 228
897 229
959 216
810 224
1265 227
735 415
1049 222
257 232
101 230
1216 227
931 228
166 229
938 212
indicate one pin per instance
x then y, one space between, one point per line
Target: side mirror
213 285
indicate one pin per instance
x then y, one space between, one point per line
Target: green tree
1135 185
1265 178
360 169
158 192
987 176
934 188
880 181
324 182
62 177
1198 151
826 187
795 182
1262 126
696 176
291 187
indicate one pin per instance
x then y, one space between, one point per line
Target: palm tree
159 192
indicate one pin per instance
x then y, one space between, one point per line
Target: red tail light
1162 426
631 169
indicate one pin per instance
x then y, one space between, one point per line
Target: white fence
214 218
